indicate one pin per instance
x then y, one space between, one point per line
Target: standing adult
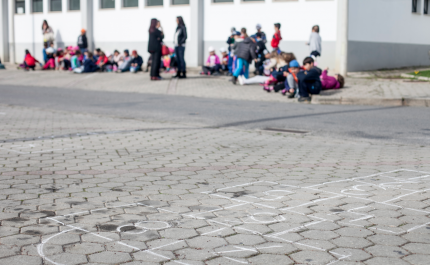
82 41
48 33
154 47
179 41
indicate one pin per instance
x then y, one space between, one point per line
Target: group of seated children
276 70
214 64
72 59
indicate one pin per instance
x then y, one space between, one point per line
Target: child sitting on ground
102 61
277 72
224 60
117 60
89 65
315 42
75 60
212 65
50 55
291 82
59 58
331 82
170 62
276 37
29 62
309 80
136 62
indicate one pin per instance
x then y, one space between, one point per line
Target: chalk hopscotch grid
276 218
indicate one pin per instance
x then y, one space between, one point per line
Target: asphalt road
388 124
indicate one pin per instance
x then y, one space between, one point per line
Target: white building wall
296 17
127 28
28 29
386 34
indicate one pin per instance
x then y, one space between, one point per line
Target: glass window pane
223 1
108 4
55 5
37 6
154 2
20 6
74 4
180 2
131 3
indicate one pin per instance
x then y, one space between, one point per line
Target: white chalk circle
264 218
125 229
153 225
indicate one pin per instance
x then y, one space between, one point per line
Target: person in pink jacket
331 82
213 64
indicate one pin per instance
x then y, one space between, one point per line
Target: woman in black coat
179 40
154 48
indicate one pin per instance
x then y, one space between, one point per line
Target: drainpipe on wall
12 32
342 37
3 30
196 43
87 21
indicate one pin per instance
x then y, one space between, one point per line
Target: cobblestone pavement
82 189
359 90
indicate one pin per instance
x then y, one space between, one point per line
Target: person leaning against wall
154 48
48 33
179 41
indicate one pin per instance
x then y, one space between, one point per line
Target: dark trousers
316 54
180 54
209 69
259 67
308 87
156 63
279 87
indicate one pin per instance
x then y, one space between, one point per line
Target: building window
154 2
107 4
426 6
416 6
74 5
20 6
55 5
37 6
223 1
180 2
130 3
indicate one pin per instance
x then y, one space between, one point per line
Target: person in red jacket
102 61
29 62
277 37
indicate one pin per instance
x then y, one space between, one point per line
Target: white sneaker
241 80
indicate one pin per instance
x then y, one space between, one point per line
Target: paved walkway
374 88
83 189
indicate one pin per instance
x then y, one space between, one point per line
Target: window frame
146 4
106 8
16 7
32 7
123 6
426 7
172 3
50 6
73 10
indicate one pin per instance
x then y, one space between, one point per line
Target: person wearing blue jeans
180 56
179 41
245 53
242 67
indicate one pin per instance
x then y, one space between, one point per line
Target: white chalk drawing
270 205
